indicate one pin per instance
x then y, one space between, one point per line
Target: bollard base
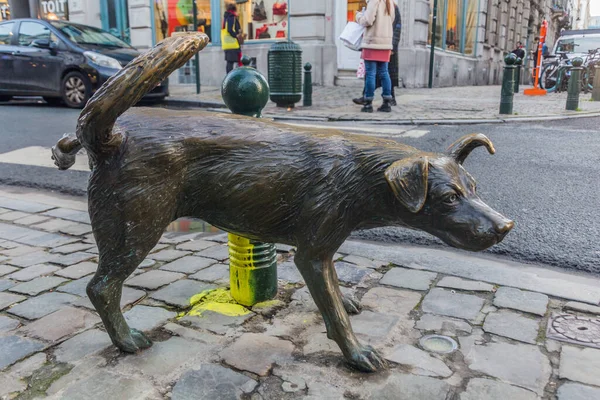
535 92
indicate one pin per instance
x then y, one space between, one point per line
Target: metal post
518 63
508 84
252 264
596 83
197 57
307 95
432 54
574 85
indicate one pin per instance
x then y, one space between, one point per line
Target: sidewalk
463 104
523 332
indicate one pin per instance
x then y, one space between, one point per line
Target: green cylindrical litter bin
285 73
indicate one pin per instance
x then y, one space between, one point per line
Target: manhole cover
438 344
575 329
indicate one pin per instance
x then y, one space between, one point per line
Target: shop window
4 10
54 9
439 28
177 16
456 26
261 19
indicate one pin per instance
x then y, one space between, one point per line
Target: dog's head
441 197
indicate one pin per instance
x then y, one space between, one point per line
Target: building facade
471 36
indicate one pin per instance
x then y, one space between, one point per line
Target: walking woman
376 49
231 25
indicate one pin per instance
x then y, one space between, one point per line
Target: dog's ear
408 180
460 149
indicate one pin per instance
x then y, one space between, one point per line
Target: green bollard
596 83
252 264
508 84
307 95
574 85
518 63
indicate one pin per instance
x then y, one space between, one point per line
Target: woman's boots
367 106
386 106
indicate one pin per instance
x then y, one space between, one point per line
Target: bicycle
587 80
556 73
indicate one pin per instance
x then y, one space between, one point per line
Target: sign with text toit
54 9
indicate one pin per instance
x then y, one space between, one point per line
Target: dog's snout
504 227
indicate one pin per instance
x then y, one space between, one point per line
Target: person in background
232 24
393 65
519 52
376 47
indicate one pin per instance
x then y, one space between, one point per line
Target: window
6 32
178 16
262 19
30 31
456 24
4 10
84 34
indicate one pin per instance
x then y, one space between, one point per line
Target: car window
6 32
578 44
82 34
30 31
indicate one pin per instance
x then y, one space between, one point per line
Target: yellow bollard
252 270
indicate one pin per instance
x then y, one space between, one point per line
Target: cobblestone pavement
414 105
523 332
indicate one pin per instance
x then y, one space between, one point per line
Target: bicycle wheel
549 78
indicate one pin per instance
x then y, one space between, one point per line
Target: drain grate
575 329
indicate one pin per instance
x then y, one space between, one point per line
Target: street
544 176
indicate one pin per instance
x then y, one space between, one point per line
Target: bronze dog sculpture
267 181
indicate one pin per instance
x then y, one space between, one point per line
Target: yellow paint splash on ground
216 300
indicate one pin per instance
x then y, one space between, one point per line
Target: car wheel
53 101
76 89
5 98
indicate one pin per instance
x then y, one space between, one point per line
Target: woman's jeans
373 69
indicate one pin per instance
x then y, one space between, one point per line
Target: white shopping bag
352 35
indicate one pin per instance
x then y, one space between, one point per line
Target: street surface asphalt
545 176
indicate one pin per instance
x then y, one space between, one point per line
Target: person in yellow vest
231 34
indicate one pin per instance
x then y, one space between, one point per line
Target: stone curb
207 104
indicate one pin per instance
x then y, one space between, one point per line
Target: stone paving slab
25 206
444 302
39 306
77 287
82 345
350 273
195 245
72 320
487 389
189 264
32 220
211 382
72 248
516 299
13 216
421 362
216 323
220 253
168 255
512 325
72 258
218 273
288 272
443 325
146 318
580 365
108 385
129 296
257 353
15 348
6 283
38 285
8 299
29 259
35 271
78 270
179 293
586 308
68 214
8 324
154 279
452 282
576 391
7 269
408 279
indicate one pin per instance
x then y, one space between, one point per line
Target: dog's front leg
320 276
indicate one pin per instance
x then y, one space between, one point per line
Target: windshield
88 35
578 44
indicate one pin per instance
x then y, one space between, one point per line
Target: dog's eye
451 199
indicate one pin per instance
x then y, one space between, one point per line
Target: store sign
54 9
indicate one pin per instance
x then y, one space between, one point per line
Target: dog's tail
120 92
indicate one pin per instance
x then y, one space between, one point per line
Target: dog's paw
351 304
135 342
367 359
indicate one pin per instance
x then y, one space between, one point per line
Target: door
346 11
37 69
115 18
6 57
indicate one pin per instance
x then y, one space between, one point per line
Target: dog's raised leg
320 276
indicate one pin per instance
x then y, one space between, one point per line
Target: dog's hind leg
320 276
126 231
